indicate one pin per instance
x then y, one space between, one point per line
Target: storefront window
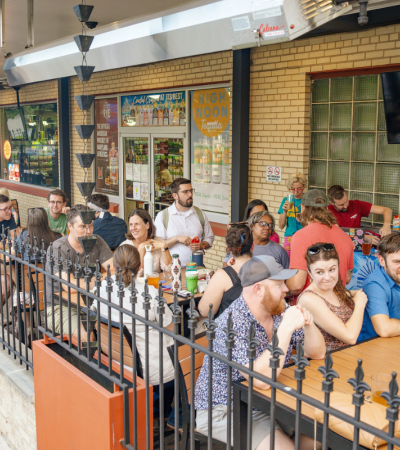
106 145
30 144
349 143
210 149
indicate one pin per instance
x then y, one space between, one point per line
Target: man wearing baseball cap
262 303
319 225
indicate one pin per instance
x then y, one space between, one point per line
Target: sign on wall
165 109
210 149
274 174
106 145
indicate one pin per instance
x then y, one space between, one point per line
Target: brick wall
280 98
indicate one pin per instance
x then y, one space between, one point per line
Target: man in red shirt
320 226
348 213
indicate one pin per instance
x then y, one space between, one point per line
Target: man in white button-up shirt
184 223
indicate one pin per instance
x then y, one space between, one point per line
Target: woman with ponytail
225 286
127 260
337 312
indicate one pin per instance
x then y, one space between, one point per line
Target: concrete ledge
16 374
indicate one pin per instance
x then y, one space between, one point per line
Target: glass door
168 165
137 173
151 163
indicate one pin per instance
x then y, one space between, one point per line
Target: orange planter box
75 412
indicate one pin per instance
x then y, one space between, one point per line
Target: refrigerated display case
168 166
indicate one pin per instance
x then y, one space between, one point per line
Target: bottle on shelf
198 165
146 116
206 162
226 169
171 114
176 113
217 163
160 115
155 114
182 114
165 114
396 223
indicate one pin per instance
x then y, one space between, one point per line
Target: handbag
373 414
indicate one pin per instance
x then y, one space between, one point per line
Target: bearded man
179 224
382 287
261 302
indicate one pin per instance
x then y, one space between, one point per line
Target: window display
32 132
210 149
166 109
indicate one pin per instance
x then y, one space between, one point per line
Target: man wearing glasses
262 225
182 222
56 211
6 217
348 213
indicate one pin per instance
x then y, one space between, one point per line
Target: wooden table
375 355
168 295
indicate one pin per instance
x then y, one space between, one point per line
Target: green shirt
58 225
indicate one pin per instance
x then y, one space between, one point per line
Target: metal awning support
30 37
3 28
220 26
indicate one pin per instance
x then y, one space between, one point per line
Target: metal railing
52 269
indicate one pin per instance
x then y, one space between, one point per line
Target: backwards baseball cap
263 267
310 198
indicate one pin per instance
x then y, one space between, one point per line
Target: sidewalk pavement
3 445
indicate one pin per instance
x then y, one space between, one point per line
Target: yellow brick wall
280 98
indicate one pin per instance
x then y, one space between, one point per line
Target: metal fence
81 297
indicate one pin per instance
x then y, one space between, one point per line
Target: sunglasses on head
315 249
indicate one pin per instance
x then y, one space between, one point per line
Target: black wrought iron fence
31 276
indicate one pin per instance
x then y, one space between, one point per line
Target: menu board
157 110
210 149
106 145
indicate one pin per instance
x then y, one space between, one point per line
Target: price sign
274 174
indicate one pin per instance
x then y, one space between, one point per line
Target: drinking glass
153 279
380 383
290 199
366 249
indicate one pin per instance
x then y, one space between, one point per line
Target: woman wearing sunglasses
337 312
289 212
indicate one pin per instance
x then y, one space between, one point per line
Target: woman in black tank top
225 286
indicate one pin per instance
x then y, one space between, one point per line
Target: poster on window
210 149
157 110
106 145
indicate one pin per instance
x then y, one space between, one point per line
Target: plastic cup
366 249
153 279
380 383
192 278
290 199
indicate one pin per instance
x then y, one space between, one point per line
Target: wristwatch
164 249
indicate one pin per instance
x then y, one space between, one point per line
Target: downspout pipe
30 36
6 54
363 17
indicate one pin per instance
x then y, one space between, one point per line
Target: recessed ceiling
55 19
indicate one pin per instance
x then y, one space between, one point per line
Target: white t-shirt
183 224
154 370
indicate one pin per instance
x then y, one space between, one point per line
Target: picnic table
375 354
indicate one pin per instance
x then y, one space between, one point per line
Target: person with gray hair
262 225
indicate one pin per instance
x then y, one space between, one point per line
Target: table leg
239 419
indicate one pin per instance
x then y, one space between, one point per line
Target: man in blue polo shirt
112 229
382 287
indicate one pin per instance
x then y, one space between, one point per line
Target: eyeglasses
187 191
266 224
6 210
55 203
314 250
296 190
